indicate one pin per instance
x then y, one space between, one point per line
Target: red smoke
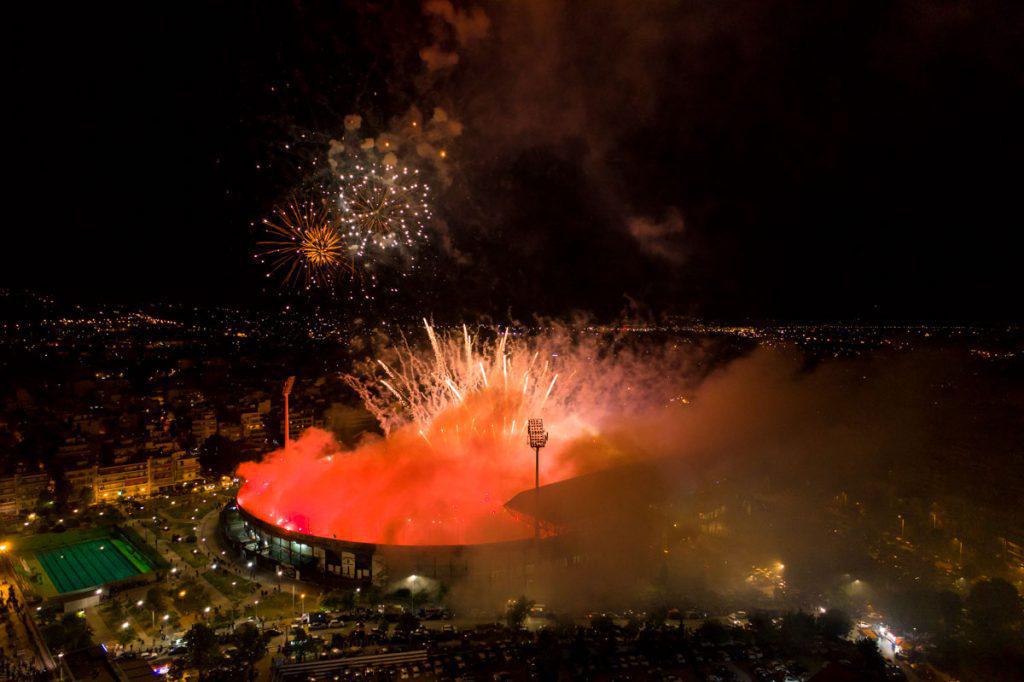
456 448
395 491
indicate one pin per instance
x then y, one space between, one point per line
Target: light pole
412 579
286 391
538 438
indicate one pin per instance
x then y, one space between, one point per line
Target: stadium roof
592 496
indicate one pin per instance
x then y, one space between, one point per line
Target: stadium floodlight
535 430
538 438
286 391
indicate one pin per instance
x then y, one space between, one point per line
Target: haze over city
520 340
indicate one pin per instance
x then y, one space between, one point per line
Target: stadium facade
343 563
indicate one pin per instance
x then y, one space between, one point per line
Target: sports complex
71 566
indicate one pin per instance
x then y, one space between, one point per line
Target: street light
538 438
412 580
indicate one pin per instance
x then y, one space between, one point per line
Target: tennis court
91 563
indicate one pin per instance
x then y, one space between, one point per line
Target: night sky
748 158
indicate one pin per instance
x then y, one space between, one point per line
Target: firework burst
509 380
454 408
306 243
382 206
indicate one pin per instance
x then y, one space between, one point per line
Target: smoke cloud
455 413
659 239
766 442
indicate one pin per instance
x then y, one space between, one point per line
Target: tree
950 608
156 600
602 623
797 627
124 635
54 636
927 610
338 600
762 625
116 609
656 617
835 624
712 631
251 645
201 649
407 622
517 611
871 658
220 455
994 605
69 633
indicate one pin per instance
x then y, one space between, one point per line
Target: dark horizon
753 161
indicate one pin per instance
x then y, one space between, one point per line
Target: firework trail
454 410
305 242
503 376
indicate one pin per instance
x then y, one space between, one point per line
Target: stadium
442 499
336 561
77 567
564 513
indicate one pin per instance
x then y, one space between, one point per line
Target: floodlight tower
286 391
538 438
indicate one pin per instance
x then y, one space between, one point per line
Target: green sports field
62 563
92 563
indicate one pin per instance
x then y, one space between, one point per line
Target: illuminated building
21 492
136 479
204 426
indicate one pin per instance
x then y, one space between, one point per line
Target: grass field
222 583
